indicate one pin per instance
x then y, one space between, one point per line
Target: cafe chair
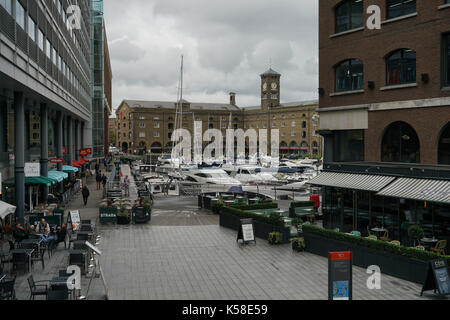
20 260
37 289
372 237
356 233
396 243
369 232
7 291
422 248
4 259
440 247
385 237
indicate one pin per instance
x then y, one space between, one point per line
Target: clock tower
270 89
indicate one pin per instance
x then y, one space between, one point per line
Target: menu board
246 232
437 278
75 219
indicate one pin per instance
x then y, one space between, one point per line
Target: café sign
32 169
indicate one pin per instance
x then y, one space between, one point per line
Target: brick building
384 105
148 125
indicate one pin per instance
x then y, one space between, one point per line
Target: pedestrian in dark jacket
104 181
85 193
98 179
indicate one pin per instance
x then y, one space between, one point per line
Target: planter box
391 264
108 215
142 214
262 230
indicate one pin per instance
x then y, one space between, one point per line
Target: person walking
85 192
98 179
104 181
126 184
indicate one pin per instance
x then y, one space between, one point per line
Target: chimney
233 98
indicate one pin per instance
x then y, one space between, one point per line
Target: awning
83 161
58 175
76 164
419 189
362 182
69 169
33 181
6 209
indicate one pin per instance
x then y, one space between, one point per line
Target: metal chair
7 291
440 247
4 259
422 248
37 289
77 259
83 237
372 237
396 243
356 233
385 237
20 259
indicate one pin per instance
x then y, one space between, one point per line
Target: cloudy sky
226 46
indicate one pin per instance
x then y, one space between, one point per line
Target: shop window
349 146
400 144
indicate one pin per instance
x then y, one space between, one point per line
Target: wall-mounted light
371 85
425 78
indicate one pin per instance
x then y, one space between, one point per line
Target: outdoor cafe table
83 252
60 284
37 242
29 252
429 242
379 231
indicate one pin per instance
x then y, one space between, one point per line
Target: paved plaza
184 254
201 260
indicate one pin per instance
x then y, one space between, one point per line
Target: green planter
108 215
141 214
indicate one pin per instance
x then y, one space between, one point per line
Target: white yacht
208 177
255 175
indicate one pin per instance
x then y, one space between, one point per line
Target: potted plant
275 238
416 232
123 217
298 244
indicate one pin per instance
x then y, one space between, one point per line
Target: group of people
42 230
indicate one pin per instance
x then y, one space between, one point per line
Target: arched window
401 67
349 75
400 144
349 15
397 8
444 146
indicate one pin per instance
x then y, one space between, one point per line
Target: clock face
265 86
274 85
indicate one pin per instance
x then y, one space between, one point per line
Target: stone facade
144 126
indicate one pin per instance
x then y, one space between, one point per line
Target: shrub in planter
301 204
275 238
298 244
258 206
275 220
374 244
416 232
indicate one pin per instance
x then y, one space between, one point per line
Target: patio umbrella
6 209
